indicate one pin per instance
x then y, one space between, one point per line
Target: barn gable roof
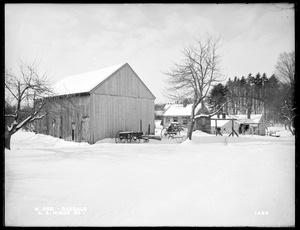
86 82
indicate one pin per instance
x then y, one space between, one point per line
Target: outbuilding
241 124
224 123
253 125
179 112
91 106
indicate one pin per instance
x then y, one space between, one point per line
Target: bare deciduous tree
285 71
193 78
24 93
285 68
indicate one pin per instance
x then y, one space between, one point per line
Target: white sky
69 39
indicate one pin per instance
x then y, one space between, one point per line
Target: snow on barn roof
84 82
180 110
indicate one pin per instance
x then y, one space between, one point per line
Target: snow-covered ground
209 181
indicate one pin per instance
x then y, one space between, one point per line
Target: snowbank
106 140
285 133
30 140
250 182
199 133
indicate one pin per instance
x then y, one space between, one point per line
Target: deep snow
209 181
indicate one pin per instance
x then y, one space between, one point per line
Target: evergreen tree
257 94
218 96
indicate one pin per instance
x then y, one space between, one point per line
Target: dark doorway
61 127
73 131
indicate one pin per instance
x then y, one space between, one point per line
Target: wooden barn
92 106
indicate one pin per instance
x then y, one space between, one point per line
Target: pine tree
218 96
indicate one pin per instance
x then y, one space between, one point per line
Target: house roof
84 82
180 110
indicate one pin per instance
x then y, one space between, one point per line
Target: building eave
69 95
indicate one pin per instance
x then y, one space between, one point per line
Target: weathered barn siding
115 113
121 102
68 118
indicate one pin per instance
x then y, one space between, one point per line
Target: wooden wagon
133 137
172 131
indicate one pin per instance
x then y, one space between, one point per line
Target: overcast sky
73 38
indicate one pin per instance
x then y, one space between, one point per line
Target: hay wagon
133 137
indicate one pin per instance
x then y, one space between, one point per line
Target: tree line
249 95
259 94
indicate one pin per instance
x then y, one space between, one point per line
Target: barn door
73 131
61 127
84 129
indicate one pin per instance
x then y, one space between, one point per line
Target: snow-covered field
209 181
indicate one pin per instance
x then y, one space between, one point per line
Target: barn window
203 121
175 119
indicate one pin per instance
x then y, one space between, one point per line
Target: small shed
254 125
241 125
223 124
202 119
92 106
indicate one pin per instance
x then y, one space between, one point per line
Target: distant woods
254 94
247 95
